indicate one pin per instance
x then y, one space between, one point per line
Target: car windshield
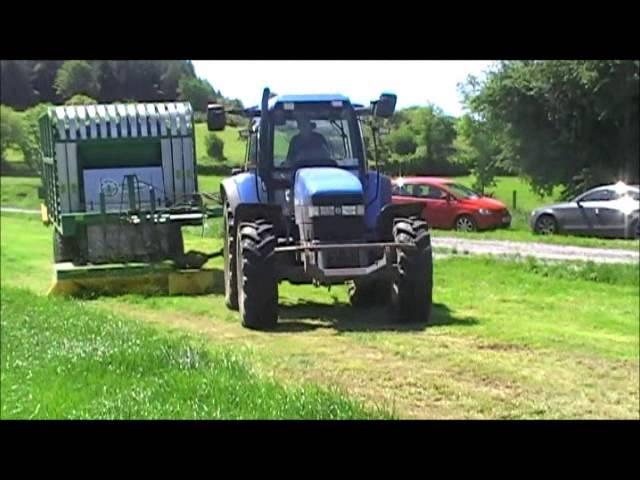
313 140
461 191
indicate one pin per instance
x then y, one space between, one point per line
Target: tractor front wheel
368 293
411 291
256 273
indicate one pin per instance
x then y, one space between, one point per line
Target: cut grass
20 192
508 340
234 146
64 359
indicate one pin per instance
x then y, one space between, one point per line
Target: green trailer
118 184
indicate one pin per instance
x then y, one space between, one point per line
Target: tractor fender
375 199
241 189
392 211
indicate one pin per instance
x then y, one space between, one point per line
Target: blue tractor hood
327 186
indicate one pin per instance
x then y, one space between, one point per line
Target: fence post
514 200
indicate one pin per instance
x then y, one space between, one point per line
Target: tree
76 76
196 91
12 133
477 148
16 88
42 77
570 123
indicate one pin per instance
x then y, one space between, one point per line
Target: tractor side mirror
216 119
385 106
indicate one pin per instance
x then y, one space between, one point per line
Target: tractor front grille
337 228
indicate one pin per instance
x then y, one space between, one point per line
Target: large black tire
230 268
63 248
412 289
257 276
368 293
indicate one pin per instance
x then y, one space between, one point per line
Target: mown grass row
65 359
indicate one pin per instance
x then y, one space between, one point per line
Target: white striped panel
153 119
112 117
122 113
167 168
181 116
63 179
102 113
142 116
72 169
171 108
60 116
133 122
93 119
81 115
178 169
162 112
73 127
189 173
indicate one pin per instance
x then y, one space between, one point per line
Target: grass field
503 343
234 146
64 359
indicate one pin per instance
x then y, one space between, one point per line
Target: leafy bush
12 132
81 100
402 142
215 147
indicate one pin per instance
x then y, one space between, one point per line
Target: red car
449 205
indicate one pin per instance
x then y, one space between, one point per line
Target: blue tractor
307 209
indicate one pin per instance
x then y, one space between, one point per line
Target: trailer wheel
62 248
230 269
369 293
256 273
412 289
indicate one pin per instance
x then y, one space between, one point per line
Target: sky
415 82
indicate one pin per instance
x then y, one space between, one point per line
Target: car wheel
465 223
546 225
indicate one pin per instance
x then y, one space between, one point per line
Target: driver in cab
307 145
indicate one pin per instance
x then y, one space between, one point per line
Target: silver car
606 211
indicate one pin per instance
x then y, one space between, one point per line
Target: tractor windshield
315 138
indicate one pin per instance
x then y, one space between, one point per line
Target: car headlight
484 211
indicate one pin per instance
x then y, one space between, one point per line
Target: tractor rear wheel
256 273
230 269
412 289
367 293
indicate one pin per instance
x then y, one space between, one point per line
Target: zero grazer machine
118 184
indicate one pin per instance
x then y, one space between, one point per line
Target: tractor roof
308 99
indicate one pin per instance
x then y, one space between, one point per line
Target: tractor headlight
336 210
484 211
